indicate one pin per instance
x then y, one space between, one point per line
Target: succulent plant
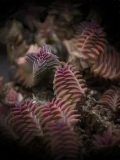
109 138
69 84
43 60
57 26
12 37
111 99
107 65
70 112
46 32
88 43
24 122
63 142
66 15
56 111
35 66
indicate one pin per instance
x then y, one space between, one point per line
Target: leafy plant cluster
66 124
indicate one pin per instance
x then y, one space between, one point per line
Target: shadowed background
110 13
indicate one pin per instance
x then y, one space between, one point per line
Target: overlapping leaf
88 43
57 110
42 60
69 84
108 138
111 98
62 141
36 66
107 65
24 121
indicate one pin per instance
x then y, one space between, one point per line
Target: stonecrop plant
57 110
24 122
57 120
63 141
111 99
36 65
108 64
43 60
54 121
69 84
87 43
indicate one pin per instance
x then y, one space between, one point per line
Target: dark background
108 9
110 13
